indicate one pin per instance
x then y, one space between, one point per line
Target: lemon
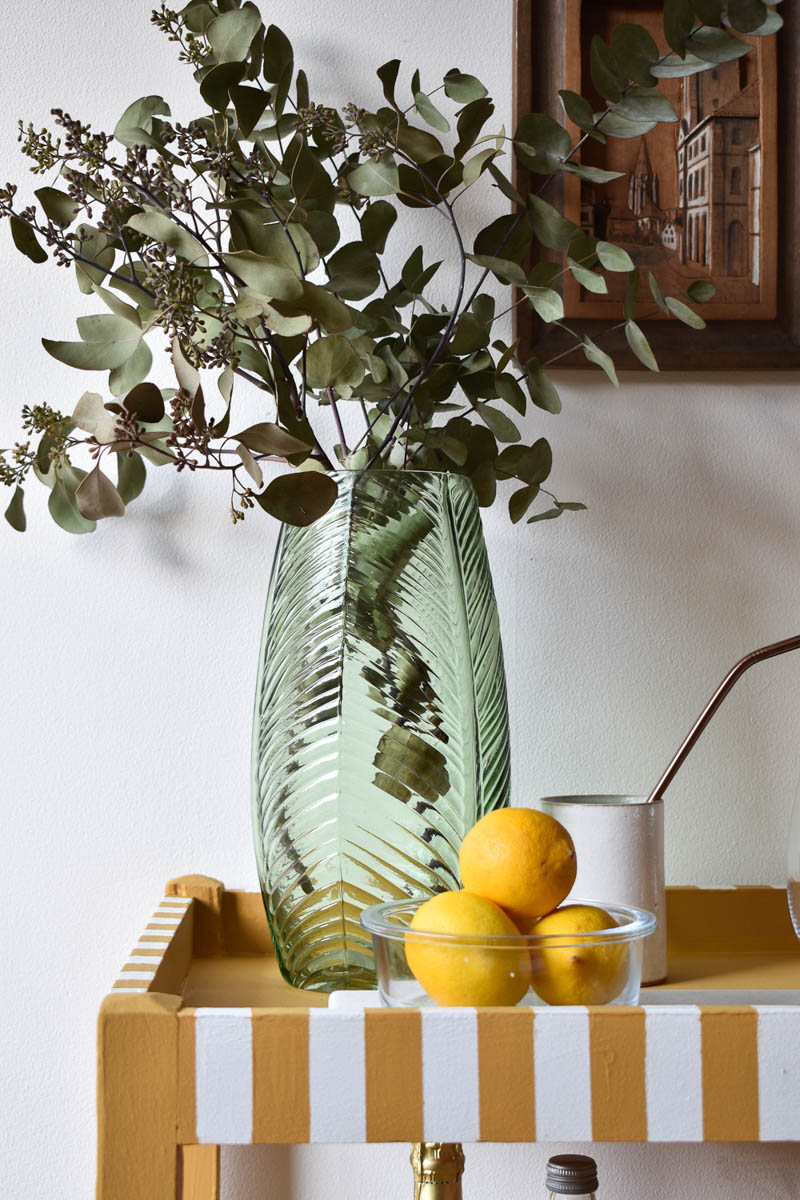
571 971
462 974
521 858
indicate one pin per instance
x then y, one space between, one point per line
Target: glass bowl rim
640 924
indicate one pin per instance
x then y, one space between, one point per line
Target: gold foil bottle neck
438 1167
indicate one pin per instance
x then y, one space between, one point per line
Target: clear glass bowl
424 969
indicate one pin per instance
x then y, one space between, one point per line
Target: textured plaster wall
127 658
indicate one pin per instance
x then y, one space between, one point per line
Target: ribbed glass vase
381 724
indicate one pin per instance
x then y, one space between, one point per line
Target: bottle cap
572 1175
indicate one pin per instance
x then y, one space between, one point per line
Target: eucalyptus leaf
388 76
541 388
635 52
231 34
375 177
300 498
332 362
471 121
134 370
552 230
463 88
599 357
269 438
160 228
96 497
269 276
520 501
541 143
678 23
145 402
503 268
616 126
57 205
15 513
354 271
62 505
685 314
546 302
278 54
131 475
185 372
250 104
430 113
657 293
578 109
501 426
548 515
614 258
508 389
418 144
640 345
474 168
607 76
250 465
138 117
26 242
645 104
591 280
377 220
701 291
716 45
591 174
95 355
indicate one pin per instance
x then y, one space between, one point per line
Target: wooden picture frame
549 56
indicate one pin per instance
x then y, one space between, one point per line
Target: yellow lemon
522 859
575 971
467 973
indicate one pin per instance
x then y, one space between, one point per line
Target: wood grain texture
541 29
199 1173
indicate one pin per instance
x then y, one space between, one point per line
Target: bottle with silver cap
572 1175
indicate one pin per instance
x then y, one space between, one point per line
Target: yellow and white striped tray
203 1034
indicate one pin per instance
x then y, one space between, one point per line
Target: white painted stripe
167 922
176 901
562 1075
451 1107
155 959
224 1075
673 1073
138 975
778 1073
336 1076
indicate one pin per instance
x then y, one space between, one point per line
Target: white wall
128 657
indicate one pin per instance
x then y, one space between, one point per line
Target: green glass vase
381 724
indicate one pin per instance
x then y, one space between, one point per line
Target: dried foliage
226 235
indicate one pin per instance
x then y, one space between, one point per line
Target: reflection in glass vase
381 729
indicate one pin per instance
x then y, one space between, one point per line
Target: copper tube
740 667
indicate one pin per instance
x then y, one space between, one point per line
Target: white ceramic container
619 841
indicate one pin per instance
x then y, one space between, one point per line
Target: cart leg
199 1173
137 1097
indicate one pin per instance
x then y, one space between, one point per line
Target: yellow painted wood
207 894
137 1067
200 1173
505 1073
